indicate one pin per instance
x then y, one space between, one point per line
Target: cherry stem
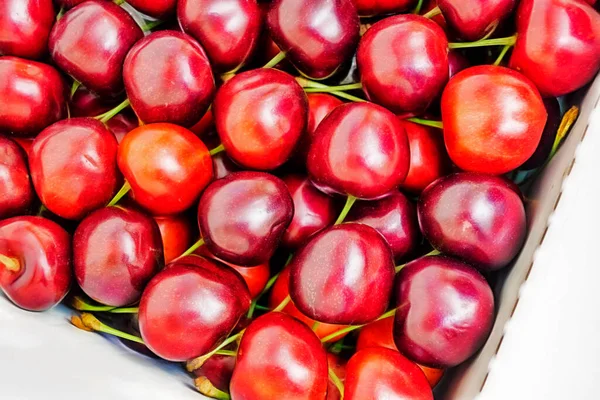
330 89
502 54
355 327
505 41
60 14
11 264
432 13
74 87
92 323
337 382
283 304
151 25
42 210
426 122
349 203
220 148
267 287
315 325
104 118
228 353
275 60
205 386
342 95
194 247
80 305
126 310
418 7
120 194
565 125
118 2
433 252
197 362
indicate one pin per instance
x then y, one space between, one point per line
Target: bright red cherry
176 233
25 26
370 8
17 192
160 9
35 262
473 19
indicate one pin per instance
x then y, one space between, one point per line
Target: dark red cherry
17 192
359 149
243 216
33 95
74 167
471 20
403 63
123 123
445 311
25 26
85 103
317 36
544 148
191 306
176 233
69 3
90 43
35 262
182 81
279 358
160 9
343 275
228 31
370 8
456 62
218 370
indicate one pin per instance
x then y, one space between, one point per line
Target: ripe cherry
25 26
370 8
338 366
123 123
471 20
85 103
544 148
160 9
17 191
176 233
218 370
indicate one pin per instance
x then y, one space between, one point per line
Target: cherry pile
295 199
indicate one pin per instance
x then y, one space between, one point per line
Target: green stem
42 210
228 353
505 41
315 325
79 304
433 12
349 203
220 148
282 305
267 287
355 327
128 310
120 194
331 89
426 122
151 25
275 60
205 386
94 324
194 247
11 264
433 252
60 14
417 9
502 54
565 125
337 382
119 2
262 308
74 87
104 118
197 362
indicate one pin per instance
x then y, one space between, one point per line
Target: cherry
429 5
90 43
66 4
394 217
343 275
243 216
378 373
190 306
317 36
338 366
166 165
25 26
313 211
445 311
360 149
471 20
85 103
176 234
206 125
403 63
510 119
558 45
456 63
229 32
260 115
544 148
279 358
17 192
25 144
223 166
155 8
183 84
74 167
218 370
122 123
35 262
33 96
369 8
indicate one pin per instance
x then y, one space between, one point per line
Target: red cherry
205 126
359 149
403 63
456 63
260 115
547 141
17 192
218 370
190 306
33 96
35 262
183 84
279 358
66 4
25 26
429 5
160 9
473 19
166 165
122 123
25 144
493 119
176 234
338 366
74 167
369 8
85 103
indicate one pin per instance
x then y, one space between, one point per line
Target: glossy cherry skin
316 35
509 124
360 149
182 82
394 217
369 8
90 43
39 252
544 148
33 96
123 123
73 167
473 19
403 63
378 373
166 165
177 235
456 62
445 311
191 306
343 275
228 30
25 26
279 358
69 3
85 103
260 115
313 211
17 192
218 370
243 216
558 44
160 9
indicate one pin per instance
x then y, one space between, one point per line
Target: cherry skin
176 233
544 148
317 36
25 26
260 115
160 9
183 84
558 45
360 149
166 165
509 124
190 306
243 216
90 43
394 217
35 262
123 123
85 103
25 144
279 358
338 366
370 8
69 3
17 192
313 211
380 373
445 311
228 32
471 20
403 63
74 167
456 62
33 95
344 275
